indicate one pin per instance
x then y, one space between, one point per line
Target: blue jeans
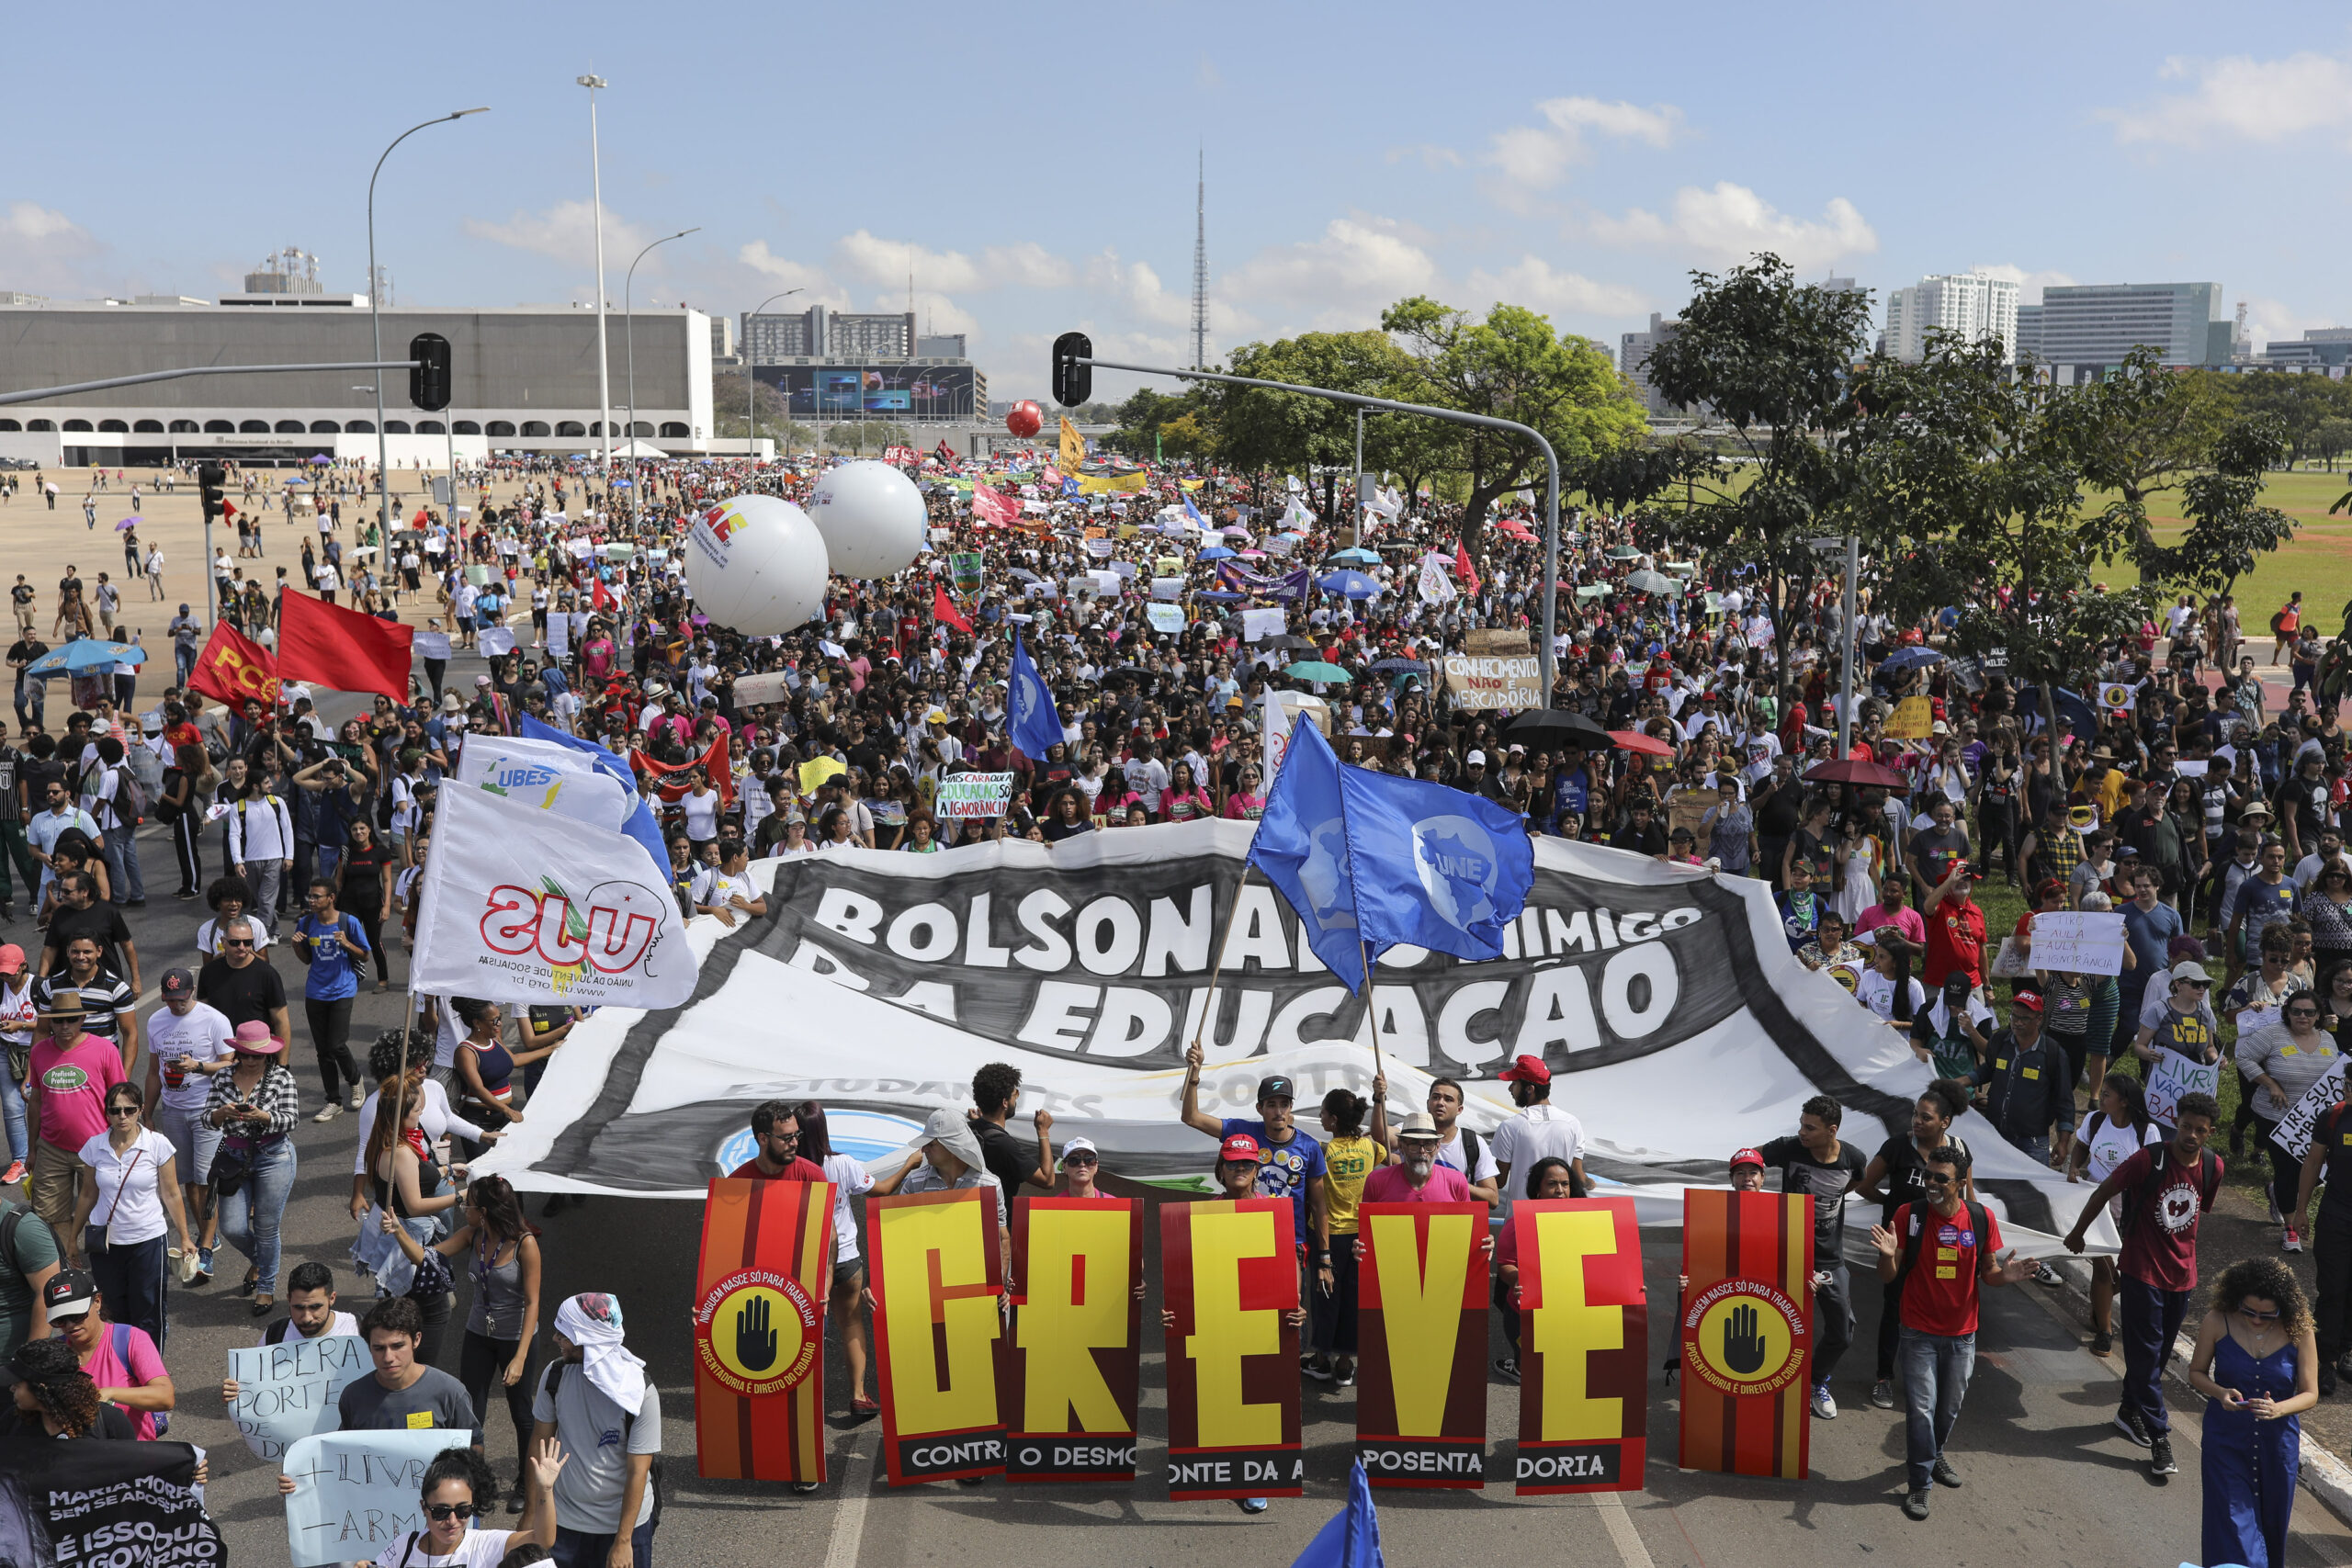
577 1548
1936 1369
250 1216
12 1108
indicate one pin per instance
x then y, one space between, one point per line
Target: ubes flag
1583 1347
1746 1323
1230 1275
1421 1324
938 1277
341 649
236 668
522 905
1070 1382
760 1289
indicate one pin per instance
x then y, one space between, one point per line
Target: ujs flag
1370 862
1030 720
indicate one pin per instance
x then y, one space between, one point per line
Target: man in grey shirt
402 1395
596 1398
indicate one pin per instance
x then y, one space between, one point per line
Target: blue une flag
1369 861
1351 1538
1030 720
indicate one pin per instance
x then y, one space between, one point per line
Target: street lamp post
376 311
629 334
603 366
751 384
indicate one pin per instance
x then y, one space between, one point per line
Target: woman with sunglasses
127 1199
2282 1061
2256 1363
461 1488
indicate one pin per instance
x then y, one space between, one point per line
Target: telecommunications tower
1201 268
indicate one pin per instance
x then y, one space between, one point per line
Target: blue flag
1351 1539
1029 718
1194 511
642 824
1369 861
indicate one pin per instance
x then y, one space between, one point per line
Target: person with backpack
2167 1188
593 1392
1941 1254
29 1259
121 1359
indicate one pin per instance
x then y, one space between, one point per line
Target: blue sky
1036 164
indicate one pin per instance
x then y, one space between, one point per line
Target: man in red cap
1540 1130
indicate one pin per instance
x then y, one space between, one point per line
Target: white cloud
1535 157
43 250
815 287
1025 265
934 312
2238 98
565 233
1730 222
2273 320
1532 282
1138 286
2029 284
1359 266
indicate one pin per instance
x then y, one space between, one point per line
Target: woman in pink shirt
1183 799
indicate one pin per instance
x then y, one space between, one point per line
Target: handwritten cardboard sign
287 1392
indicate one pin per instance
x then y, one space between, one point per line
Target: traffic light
1073 369
212 482
428 380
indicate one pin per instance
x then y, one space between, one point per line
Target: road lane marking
849 1514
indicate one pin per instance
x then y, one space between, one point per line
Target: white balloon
871 518
756 563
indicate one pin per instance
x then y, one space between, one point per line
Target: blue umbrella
1903 659
1351 585
1369 558
85 655
1217 552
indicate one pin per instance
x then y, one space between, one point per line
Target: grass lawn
2318 561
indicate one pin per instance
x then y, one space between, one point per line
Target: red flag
598 598
943 610
994 506
234 668
341 649
228 508
944 454
722 777
1463 568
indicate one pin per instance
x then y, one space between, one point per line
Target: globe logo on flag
1458 868
1330 892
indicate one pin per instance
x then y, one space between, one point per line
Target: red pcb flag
341 649
1464 569
944 611
994 506
236 668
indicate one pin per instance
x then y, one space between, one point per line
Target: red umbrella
1634 740
1854 771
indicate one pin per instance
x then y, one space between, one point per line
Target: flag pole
1218 968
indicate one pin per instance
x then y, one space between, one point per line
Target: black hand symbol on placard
754 1340
1742 1346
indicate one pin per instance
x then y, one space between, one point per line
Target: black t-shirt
102 922
1005 1159
1801 1172
241 995
1779 816
1906 1175
1934 849
363 879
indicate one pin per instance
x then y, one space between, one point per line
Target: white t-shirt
436 1120
1450 1153
1876 992
479 1549
1542 1131
849 1179
2110 1146
201 1035
132 1211
337 1324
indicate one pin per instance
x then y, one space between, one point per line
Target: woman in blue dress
2257 1366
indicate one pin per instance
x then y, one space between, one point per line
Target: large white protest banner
1664 999
966 796
2079 943
525 904
2172 1076
357 1493
2293 1133
287 1391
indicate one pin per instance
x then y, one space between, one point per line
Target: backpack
1979 1222
121 1337
2209 1182
2278 619
165 812
629 1420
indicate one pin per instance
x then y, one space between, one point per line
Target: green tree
772 412
1266 431
2331 438
2141 432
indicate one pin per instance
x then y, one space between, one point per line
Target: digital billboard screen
893 392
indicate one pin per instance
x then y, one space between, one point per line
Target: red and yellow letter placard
1747 1328
1421 1386
1070 1382
767 1263
1231 1275
1583 1347
938 1277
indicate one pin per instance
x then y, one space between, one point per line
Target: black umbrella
1558 727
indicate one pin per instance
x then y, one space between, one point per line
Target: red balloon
1025 419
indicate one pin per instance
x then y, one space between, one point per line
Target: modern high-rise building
1973 305
2091 327
1632 355
2028 340
818 332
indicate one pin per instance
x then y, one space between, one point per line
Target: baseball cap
1526 1069
70 1293
12 958
1240 1147
1420 1124
1747 1157
2029 1000
176 983
2189 969
1475 759
1276 1088
1081 1147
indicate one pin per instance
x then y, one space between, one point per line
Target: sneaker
1945 1475
2291 1241
2160 1457
1250 1505
805 1488
2129 1423
1507 1368
1824 1408
14 1174
1345 1376
515 1499
1882 1393
2276 1217
1315 1366
333 1109
2045 1275
355 1099
2102 1343
1915 1506
203 1265
960 1480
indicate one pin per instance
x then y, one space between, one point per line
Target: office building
2029 339
819 333
2327 348
2088 329
1973 306
1632 357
